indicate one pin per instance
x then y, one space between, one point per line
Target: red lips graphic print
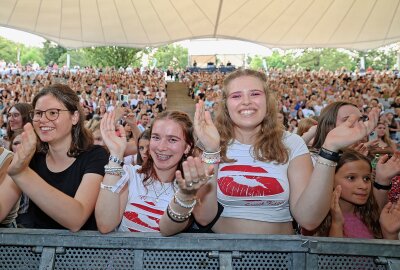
148 220
240 184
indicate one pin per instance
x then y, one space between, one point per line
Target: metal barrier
58 249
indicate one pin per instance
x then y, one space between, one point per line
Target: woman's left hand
196 175
351 131
387 168
205 129
390 220
25 151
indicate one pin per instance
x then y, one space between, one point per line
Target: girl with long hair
354 212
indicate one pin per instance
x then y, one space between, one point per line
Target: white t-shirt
255 190
146 204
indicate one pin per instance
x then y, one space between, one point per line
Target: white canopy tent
353 24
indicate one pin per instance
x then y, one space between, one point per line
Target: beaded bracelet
334 164
211 158
116 160
113 170
182 203
177 217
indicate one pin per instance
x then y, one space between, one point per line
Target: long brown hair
268 145
368 212
183 120
82 138
327 122
24 109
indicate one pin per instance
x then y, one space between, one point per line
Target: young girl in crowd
266 177
17 117
384 144
143 147
354 212
62 179
133 197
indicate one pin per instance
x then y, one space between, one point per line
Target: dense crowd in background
136 98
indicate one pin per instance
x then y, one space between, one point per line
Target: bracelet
177 217
116 160
182 203
329 155
211 158
383 187
107 187
334 164
113 170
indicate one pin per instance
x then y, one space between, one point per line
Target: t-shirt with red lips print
251 189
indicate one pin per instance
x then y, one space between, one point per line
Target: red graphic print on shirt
248 181
148 221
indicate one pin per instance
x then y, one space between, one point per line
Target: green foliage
380 59
31 55
8 50
171 55
77 58
52 52
113 56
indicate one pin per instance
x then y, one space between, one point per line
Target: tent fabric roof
353 24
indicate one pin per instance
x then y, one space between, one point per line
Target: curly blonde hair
268 145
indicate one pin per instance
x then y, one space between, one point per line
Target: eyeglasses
13 115
51 114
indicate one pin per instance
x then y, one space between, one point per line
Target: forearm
314 202
131 148
108 211
336 230
65 210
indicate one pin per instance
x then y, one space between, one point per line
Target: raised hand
351 131
195 176
25 151
390 220
205 129
387 168
336 211
115 140
131 119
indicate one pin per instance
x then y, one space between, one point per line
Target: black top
67 181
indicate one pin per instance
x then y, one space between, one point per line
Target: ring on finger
190 184
195 181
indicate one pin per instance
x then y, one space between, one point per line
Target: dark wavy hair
82 138
183 120
368 212
23 109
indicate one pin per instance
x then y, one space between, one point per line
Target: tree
31 55
77 58
8 50
171 55
112 56
52 52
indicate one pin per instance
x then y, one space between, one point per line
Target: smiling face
56 131
246 102
14 119
355 179
167 146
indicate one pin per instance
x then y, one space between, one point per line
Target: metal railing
59 249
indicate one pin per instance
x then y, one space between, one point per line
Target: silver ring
197 180
190 184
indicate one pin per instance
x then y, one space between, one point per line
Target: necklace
162 191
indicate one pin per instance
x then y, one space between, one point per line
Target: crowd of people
277 152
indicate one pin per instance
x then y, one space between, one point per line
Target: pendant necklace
162 191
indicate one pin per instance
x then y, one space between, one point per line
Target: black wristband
384 187
329 155
175 220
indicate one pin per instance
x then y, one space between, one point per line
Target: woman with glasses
17 117
62 177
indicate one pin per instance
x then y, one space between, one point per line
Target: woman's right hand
25 151
116 143
205 129
196 176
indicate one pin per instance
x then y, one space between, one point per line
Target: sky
195 47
